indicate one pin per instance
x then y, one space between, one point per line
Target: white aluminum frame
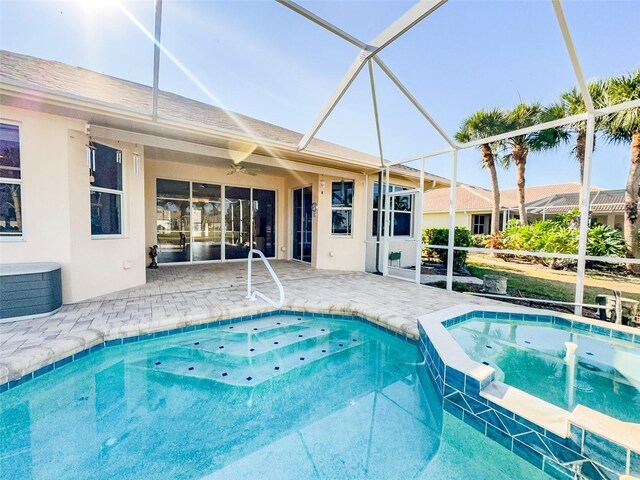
369 52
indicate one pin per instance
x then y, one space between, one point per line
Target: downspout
379 229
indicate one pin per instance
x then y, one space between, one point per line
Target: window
105 190
401 212
481 224
10 182
341 207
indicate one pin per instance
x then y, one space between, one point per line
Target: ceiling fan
238 168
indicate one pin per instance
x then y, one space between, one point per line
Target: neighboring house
606 206
474 205
90 179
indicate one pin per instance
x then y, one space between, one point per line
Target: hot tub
29 289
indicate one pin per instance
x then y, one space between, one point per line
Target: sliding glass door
206 207
302 224
237 241
173 220
264 221
192 218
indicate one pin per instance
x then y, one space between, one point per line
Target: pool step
249 370
253 345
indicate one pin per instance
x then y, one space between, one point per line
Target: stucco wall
57 211
441 220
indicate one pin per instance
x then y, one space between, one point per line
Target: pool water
281 397
530 356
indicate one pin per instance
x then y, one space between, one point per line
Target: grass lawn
528 284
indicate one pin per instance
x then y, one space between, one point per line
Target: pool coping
444 356
43 360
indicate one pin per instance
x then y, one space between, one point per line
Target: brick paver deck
183 295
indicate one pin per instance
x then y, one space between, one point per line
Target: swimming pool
279 397
531 356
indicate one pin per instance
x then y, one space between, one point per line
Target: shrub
559 235
440 236
479 240
603 240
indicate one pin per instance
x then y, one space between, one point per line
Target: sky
262 60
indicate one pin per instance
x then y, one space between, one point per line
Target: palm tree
521 116
571 103
483 124
624 127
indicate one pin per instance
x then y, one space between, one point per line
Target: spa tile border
190 328
578 453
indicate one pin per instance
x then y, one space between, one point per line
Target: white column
584 213
387 219
418 223
452 218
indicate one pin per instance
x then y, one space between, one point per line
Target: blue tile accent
452 409
634 464
605 452
475 422
622 335
601 330
596 472
63 362
471 386
499 436
528 453
563 322
532 440
112 343
20 381
556 470
529 424
454 378
475 405
43 370
575 437
81 354
561 453
513 427
127 340
458 399
491 417
582 326
97 347
501 410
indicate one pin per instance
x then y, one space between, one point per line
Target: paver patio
177 296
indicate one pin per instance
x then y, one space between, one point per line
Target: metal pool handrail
252 296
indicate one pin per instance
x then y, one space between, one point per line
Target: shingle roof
58 77
472 198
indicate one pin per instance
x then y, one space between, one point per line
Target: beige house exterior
474 205
64 115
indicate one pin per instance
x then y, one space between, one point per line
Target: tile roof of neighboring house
609 201
472 198
61 78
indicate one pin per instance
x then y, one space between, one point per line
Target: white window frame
15 237
119 193
339 207
474 218
394 188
